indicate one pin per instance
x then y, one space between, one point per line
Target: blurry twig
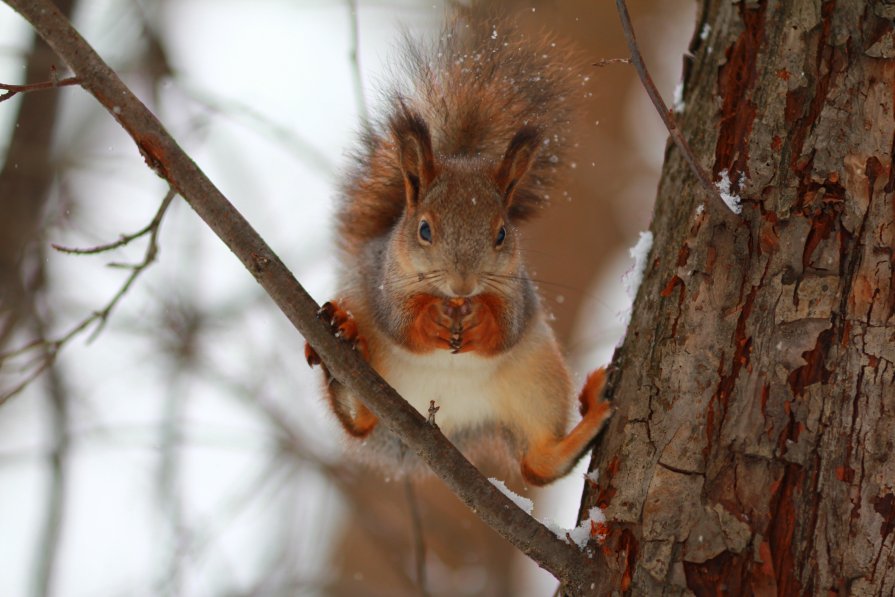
124 239
355 64
661 108
48 547
51 348
13 90
292 444
286 136
419 542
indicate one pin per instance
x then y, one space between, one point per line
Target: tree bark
25 180
752 447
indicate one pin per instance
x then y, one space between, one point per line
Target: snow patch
678 103
524 503
733 201
593 527
639 253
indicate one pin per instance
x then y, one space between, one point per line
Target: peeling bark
753 446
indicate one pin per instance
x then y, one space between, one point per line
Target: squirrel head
456 232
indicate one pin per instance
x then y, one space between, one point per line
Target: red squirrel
434 292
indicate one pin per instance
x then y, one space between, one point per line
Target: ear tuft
518 159
414 147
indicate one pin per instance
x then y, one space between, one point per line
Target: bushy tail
475 87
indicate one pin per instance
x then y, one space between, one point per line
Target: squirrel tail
475 87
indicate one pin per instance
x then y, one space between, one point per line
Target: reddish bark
753 446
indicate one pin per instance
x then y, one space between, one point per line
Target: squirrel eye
425 232
501 236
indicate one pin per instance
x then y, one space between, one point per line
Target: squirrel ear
520 155
414 143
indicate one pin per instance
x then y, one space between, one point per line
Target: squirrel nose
462 284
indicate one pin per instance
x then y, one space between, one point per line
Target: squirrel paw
589 400
343 326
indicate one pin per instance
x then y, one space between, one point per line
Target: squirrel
434 293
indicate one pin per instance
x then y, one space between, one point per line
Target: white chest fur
464 386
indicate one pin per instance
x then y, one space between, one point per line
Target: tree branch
13 90
662 109
169 161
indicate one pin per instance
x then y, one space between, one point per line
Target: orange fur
551 457
358 425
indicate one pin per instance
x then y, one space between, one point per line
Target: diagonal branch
662 109
169 161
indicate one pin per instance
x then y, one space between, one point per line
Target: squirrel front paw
430 327
479 326
343 326
455 324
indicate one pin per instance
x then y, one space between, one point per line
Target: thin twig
13 90
51 347
419 541
122 240
661 108
287 137
167 159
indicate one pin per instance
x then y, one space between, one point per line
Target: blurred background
160 432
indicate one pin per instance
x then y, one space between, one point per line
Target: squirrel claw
343 326
326 311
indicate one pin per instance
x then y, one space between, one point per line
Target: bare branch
151 227
168 160
51 347
662 109
13 90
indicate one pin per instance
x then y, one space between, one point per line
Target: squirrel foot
343 326
552 457
589 399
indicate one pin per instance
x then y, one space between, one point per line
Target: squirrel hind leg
359 423
551 457
357 420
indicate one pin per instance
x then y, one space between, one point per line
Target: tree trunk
751 451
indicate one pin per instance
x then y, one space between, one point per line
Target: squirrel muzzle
462 285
